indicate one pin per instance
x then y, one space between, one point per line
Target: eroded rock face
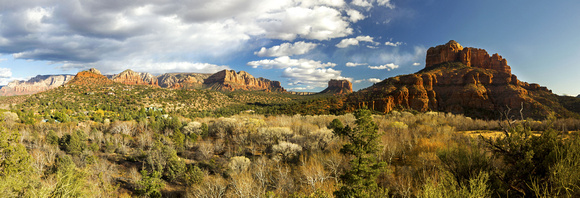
471 57
476 92
90 77
338 87
182 80
229 80
130 77
34 85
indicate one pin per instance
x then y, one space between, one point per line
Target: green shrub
150 184
52 138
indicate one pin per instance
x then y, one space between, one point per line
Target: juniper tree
363 141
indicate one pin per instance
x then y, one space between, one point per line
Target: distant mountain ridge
182 80
229 80
130 77
225 80
34 85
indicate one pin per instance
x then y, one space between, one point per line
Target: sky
301 43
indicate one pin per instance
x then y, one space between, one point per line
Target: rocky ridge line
34 85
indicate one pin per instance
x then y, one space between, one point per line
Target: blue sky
302 43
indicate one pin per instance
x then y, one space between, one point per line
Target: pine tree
360 180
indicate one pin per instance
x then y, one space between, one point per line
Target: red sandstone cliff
229 80
460 80
90 77
471 57
182 80
130 77
338 87
34 85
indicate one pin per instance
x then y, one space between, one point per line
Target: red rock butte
338 87
471 57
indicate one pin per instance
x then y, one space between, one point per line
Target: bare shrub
125 128
286 151
211 187
261 172
272 135
223 127
313 172
192 127
239 164
243 185
284 182
320 139
205 150
145 139
303 128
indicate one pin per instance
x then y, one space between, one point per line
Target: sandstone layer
475 86
471 57
130 77
338 87
229 80
182 80
90 77
34 85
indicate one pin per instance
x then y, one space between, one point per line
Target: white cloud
386 3
318 23
351 64
395 44
369 3
363 3
374 80
355 41
97 33
355 15
286 49
416 64
301 72
286 62
5 73
165 67
388 67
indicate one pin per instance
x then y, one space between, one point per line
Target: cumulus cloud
355 15
355 41
388 67
286 62
416 64
351 64
80 34
369 3
372 80
163 67
5 73
395 44
301 72
287 49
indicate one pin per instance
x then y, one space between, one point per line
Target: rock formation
34 85
90 77
471 57
130 77
338 87
229 80
182 80
460 80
